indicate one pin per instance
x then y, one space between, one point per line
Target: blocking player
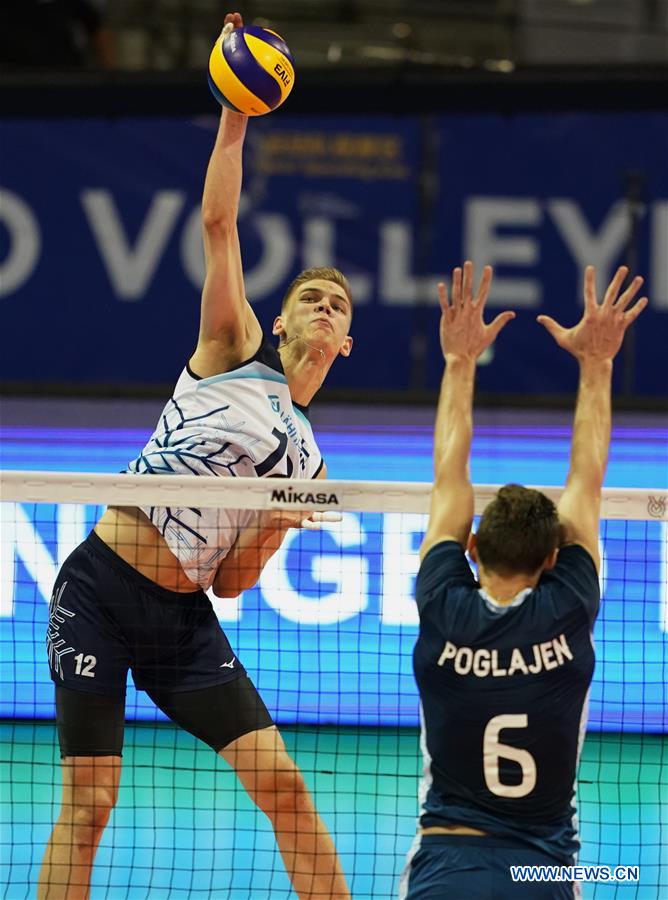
503 664
132 595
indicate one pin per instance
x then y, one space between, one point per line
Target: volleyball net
326 635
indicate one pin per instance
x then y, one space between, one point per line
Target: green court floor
183 829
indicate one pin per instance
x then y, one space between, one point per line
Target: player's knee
283 791
91 818
89 810
292 794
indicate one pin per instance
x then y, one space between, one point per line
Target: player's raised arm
594 342
464 336
228 325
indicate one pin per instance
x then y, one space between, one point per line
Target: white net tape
259 493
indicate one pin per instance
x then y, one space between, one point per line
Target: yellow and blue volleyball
251 70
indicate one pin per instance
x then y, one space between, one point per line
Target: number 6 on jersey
493 749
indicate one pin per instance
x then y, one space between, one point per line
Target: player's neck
504 589
305 368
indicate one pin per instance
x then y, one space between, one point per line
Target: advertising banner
101 262
328 633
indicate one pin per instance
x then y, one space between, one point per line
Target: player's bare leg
277 787
90 790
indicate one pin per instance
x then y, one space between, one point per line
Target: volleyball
251 70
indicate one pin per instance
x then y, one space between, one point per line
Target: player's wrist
232 115
232 128
461 361
590 365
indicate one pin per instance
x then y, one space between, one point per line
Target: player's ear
551 560
346 346
471 548
278 326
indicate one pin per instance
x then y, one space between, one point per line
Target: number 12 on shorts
85 665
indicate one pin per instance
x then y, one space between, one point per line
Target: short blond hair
325 273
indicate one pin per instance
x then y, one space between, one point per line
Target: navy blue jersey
504 694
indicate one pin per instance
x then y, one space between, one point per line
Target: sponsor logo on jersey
307 498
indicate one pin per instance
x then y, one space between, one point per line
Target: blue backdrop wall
328 633
101 262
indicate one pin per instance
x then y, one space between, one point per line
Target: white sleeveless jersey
239 423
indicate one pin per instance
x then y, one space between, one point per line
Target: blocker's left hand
600 332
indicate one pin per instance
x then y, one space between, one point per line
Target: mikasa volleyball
251 70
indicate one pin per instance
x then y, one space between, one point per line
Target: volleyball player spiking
132 595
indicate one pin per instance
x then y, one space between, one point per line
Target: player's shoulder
443 568
187 380
207 365
214 360
574 579
268 355
447 550
576 557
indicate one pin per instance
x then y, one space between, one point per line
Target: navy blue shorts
105 618
466 867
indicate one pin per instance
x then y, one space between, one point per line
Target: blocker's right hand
463 331
232 21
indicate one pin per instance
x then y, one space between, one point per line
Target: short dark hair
326 273
518 530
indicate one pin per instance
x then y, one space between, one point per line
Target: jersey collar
501 608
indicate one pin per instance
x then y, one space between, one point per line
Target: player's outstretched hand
463 330
315 520
600 332
232 21
282 519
